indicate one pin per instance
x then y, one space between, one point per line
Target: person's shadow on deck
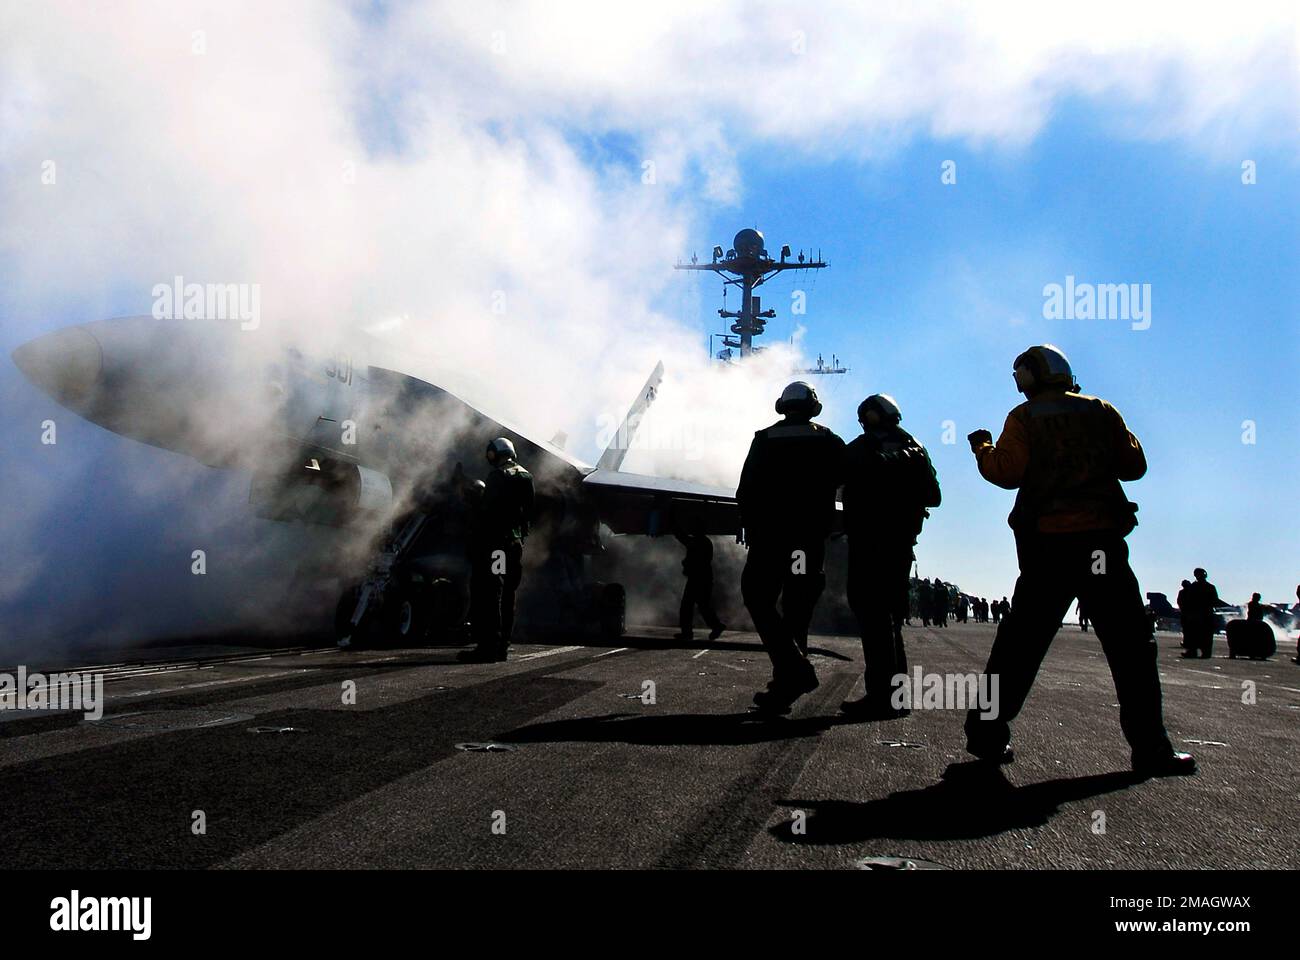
971 800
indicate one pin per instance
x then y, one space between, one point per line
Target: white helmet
879 409
1043 367
500 450
796 395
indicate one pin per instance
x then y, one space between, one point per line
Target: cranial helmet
1044 367
879 409
799 398
500 449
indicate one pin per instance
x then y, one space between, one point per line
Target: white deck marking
547 653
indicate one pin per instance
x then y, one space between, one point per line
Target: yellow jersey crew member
1066 454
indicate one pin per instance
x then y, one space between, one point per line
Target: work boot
717 631
782 692
1168 763
480 655
684 637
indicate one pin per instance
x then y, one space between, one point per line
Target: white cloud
458 122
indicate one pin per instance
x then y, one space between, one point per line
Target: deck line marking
546 653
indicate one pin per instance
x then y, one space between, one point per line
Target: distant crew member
924 602
507 507
697 567
997 611
1004 608
1181 602
1199 602
1066 454
1296 611
963 607
786 497
889 482
1082 614
1255 609
941 602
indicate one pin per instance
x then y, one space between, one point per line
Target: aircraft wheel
613 611
406 616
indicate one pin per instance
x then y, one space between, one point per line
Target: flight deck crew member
1180 602
697 566
939 593
1199 600
1255 609
1066 454
889 482
924 602
497 564
786 497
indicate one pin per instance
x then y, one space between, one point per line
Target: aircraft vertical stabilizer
612 458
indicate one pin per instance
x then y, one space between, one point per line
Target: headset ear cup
780 408
816 408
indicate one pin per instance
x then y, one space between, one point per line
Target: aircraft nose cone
65 364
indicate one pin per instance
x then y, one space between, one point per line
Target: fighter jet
361 437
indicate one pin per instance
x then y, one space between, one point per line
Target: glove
979 437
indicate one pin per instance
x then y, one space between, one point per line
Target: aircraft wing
638 504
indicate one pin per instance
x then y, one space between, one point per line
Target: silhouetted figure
1180 602
1296 609
1065 454
787 506
941 600
697 566
963 607
1251 637
1255 609
1004 608
497 561
924 602
1082 614
889 483
997 612
1200 598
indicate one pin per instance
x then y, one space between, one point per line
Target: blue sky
934 289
